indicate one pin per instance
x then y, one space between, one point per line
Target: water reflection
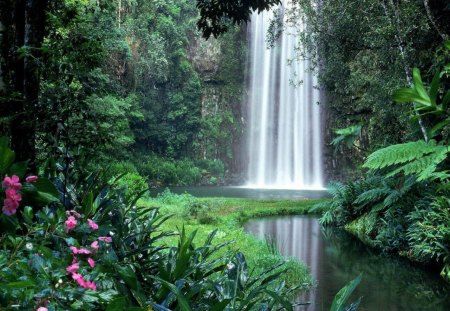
335 258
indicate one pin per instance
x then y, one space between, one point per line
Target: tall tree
22 33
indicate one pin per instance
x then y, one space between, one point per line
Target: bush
429 232
214 167
162 172
95 249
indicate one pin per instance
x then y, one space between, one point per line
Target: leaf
88 202
221 305
410 95
184 305
19 169
418 85
20 284
343 295
117 304
434 131
434 88
399 154
447 44
45 186
128 276
7 156
28 214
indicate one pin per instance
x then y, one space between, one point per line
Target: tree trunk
395 22
30 26
434 21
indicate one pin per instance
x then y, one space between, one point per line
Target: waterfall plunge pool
244 192
334 258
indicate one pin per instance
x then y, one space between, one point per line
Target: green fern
371 196
413 158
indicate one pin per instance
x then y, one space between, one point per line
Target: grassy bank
228 215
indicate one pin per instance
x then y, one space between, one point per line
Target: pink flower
74 250
31 179
11 182
80 280
90 285
91 262
12 194
42 309
79 251
106 239
71 222
73 268
13 197
95 246
92 224
84 251
76 276
10 207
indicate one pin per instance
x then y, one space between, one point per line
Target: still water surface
243 192
335 258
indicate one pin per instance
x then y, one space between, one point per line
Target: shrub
95 250
429 232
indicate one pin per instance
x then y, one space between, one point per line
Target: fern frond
425 166
399 154
413 158
371 196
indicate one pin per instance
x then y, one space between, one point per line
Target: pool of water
335 258
242 192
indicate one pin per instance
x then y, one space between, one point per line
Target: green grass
228 216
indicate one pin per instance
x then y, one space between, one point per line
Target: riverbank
228 215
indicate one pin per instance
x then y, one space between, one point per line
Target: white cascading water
285 139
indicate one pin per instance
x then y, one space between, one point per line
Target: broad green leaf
128 276
20 284
446 101
44 185
28 214
184 305
418 85
434 88
88 202
19 169
117 304
7 156
343 295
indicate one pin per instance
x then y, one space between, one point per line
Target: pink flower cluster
70 224
11 185
72 221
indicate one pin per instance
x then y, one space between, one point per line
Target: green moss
227 215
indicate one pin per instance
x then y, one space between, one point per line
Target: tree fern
371 196
418 158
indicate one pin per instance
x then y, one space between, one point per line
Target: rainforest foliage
389 89
123 80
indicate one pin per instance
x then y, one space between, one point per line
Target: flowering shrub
86 246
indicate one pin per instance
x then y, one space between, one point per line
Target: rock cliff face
205 56
220 64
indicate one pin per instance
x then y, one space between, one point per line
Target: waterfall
285 139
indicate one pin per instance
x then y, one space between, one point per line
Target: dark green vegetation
402 204
121 81
363 52
89 246
388 120
228 215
